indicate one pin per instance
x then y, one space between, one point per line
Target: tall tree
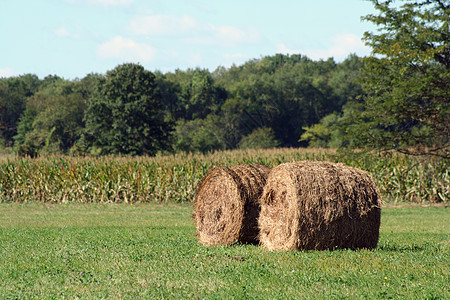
53 118
125 114
189 94
14 92
407 80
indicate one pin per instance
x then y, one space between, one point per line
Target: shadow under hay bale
226 207
319 205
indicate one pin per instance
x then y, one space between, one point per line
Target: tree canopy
124 114
265 102
406 80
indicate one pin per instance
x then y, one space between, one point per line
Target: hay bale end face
226 205
317 206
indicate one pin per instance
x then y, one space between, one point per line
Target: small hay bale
319 205
226 205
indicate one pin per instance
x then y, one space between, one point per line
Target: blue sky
72 38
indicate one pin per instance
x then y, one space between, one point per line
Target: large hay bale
226 205
319 205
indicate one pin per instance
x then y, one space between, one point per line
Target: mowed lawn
151 251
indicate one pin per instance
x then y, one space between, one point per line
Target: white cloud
191 31
340 47
195 59
126 49
232 59
345 44
230 36
7 72
282 48
234 56
162 25
62 32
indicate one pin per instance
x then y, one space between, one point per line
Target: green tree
322 135
407 80
285 93
125 114
260 138
343 94
14 93
190 94
53 118
343 81
200 135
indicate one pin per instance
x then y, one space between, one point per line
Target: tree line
263 103
398 98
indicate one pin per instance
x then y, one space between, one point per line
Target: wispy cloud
162 25
126 49
63 32
7 72
234 56
345 44
340 46
232 59
228 36
189 30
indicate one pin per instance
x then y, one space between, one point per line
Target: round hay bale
226 207
319 205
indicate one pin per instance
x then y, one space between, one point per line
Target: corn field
61 179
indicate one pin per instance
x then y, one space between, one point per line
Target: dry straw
319 205
226 205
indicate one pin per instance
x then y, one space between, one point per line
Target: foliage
323 134
14 92
404 178
53 118
130 110
24 126
124 115
285 93
200 135
60 179
260 138
407 78
27 151
133 111
151 251
189 95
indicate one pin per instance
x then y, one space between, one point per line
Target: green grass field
150 251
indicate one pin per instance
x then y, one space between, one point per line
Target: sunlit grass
151 251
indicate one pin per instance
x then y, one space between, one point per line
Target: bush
260 138
27 151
